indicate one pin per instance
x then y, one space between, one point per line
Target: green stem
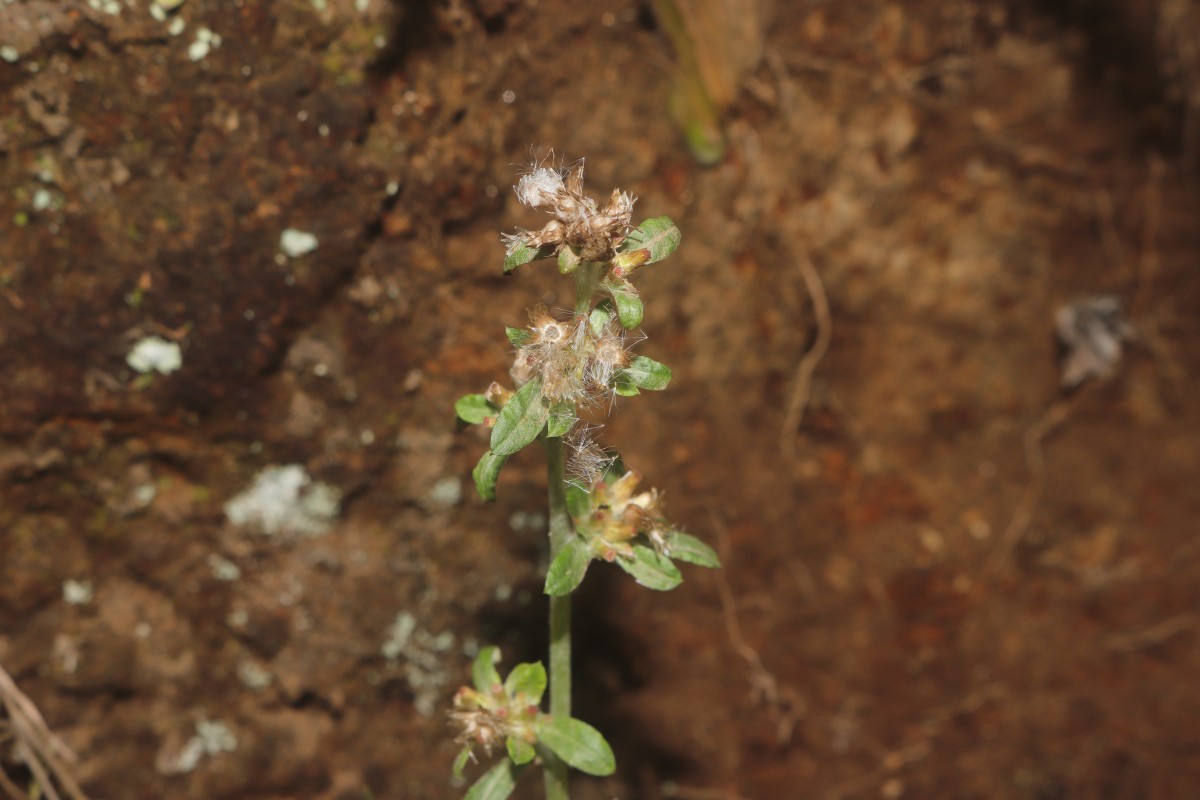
560 615
587 283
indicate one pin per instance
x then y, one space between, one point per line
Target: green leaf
524 254
483 669
568 568
519 750
518 336
646 373
568 261
650 569
624 387
562 419
495 784
460 762
486 472
653 240
685 547
578 744
528 679
629 305
521 419
601 315
474 409
579 501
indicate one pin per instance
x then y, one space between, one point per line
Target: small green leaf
483 669
495 784
578 744
518 336
528 679
650 569
460 763
601 315
562 419
568 261
521 419
685 547
629 305
623 386
568 568
653 240
524 254
474 409
579 501
486 472
519 750
646 373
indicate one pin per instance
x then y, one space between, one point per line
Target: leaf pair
514 426
648 566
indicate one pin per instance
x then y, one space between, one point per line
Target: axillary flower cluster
567 369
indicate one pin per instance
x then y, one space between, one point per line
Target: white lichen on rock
295 243
421 652
155 354
222 568
42 200
110 7
77 593
205 42
285 500
446 493
212 738
254 676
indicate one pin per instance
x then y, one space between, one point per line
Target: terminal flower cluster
579 222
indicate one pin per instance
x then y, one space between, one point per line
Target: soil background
954 580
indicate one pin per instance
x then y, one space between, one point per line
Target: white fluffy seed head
542 187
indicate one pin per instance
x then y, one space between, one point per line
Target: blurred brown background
946 577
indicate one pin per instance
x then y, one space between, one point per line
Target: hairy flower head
486 719
591 231
618 514
609 354
555 353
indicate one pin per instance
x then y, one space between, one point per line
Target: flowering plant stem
560 613
564 370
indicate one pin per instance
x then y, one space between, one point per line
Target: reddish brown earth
954 172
